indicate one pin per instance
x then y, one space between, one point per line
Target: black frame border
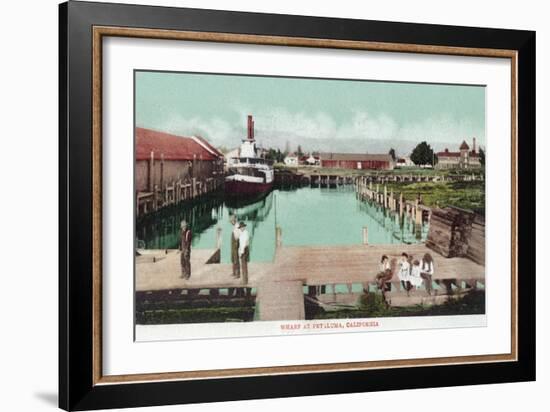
76 387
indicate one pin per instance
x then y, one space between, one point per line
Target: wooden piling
278 236
418 216
218 238
365 235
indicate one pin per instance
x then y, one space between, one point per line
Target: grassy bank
372 305
195 315
195 309
466 195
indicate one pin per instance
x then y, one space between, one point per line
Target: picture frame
83 27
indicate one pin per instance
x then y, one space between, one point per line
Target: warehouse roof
173 147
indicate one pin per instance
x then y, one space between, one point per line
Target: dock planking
310 265
281 300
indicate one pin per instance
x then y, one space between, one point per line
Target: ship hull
236 188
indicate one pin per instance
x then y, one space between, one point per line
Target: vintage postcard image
270 206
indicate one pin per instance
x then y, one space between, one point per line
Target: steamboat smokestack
250 128
474 146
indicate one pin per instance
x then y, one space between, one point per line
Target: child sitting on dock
385 274
405 272
415 278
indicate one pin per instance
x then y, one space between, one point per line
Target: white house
404 161
312 160
291 159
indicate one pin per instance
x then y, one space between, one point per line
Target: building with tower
463 159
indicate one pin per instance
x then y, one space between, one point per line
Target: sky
318 114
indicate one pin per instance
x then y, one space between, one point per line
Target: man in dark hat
235 234
244 254
185 250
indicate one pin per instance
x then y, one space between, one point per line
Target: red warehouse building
170 168
357 161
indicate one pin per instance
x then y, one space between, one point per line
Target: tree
423 154
482 156
299 151
275 155
392 154
271 154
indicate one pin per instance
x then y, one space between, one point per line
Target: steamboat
249 174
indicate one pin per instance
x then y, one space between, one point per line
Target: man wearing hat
244 239
235 234
185 250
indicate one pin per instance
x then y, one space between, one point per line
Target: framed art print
259 205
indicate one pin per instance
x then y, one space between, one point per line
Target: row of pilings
314 178
174 192
377 193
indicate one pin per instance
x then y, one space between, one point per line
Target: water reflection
307 216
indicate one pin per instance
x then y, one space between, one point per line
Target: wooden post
400 204
278 236
365 235
151 175
385 203
218 238
418 220
162 182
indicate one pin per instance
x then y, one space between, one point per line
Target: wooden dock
279 285
281 300
312 265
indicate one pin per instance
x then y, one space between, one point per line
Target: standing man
235 234
244 254
185 250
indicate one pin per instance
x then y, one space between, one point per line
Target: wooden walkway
312 265
282 300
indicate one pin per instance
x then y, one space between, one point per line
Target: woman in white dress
404 271
415 278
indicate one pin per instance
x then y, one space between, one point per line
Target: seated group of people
411 272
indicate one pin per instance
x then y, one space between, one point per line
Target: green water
307 216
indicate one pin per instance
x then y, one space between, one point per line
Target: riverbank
464 195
